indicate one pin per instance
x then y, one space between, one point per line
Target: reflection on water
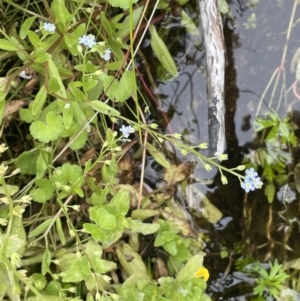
261 230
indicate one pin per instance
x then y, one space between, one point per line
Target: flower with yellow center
202 272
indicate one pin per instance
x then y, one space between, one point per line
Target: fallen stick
215 58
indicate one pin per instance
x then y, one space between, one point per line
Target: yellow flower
202 272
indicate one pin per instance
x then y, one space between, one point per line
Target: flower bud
224 180
207 167
223 157
203 145
177 136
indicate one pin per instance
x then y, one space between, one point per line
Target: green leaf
46 262
95 231
39 281
39 101
270 192
42 164
26 26
142 214
2 105
42 57
124 4
27 116
79 142
68 174
71 43
92 248
121 201
103 218
120 90
34 38
12 189
40 229
60 12
125 26
49 130
53 72
191 267
7 45
60 231
103 108
159 157
13 244
140 227
78 271
27 162
53 85
188 23
162 52
223 7
44 192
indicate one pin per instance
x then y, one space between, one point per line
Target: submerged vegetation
78 219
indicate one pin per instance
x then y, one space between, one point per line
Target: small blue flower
257 183
88 40
49 27
251 173
247 185
126 130
251 181
106 55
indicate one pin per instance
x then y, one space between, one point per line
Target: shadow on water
250 227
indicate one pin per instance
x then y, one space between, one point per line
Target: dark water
249 224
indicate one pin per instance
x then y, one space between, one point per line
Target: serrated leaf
121 201
26 26
103 218
120 90
162 52
103 108
13 243
188 271
44 192
49 130
92 248
68 174
78 271
27 162
95 231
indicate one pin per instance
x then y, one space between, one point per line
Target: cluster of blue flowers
126 130
252 181
106 54
88 40
49 27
